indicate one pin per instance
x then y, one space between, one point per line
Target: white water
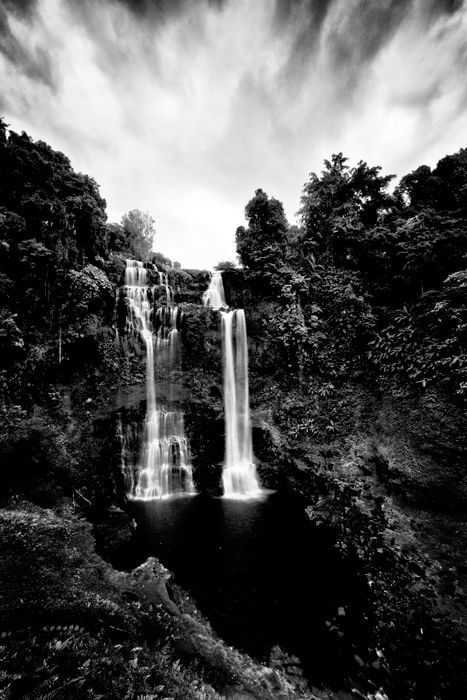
168 320
164 282
214 294
164 469
239 477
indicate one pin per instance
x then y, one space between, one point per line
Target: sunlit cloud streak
184 108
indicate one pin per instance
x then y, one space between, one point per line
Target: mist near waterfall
184 108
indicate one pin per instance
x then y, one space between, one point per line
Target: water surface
257 569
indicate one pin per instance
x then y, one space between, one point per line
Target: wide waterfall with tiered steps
164 468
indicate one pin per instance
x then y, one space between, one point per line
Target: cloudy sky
183 108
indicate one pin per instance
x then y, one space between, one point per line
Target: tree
369 191
225 265
3 130
117 239
43 198
419 188
337 206
160 260
443 189
140 231
261 246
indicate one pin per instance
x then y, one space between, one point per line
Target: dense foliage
355 315
59 265
369 279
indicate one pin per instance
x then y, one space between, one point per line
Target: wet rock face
207 447
152 580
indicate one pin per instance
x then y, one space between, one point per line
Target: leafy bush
34 455
427 344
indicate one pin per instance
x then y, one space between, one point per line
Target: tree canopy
139 229
261 245
360 256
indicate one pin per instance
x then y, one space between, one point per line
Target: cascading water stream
165 468
214 294
168 321
164 282
239 477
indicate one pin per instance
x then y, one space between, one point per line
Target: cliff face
382 469
406 449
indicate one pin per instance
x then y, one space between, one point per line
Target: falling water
239 476
138 294
165 467
214 294
164 282
168 321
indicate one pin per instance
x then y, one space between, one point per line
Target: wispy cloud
184 108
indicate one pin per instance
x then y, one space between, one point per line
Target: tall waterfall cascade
164 468
239 477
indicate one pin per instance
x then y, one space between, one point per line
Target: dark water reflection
257 569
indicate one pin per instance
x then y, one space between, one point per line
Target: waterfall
164 282
165 468
168 322
239 476
214 294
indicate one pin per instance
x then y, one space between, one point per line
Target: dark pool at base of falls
260 572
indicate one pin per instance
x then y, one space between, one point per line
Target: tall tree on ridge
140 230
262 245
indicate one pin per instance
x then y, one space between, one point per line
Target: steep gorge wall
383 469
